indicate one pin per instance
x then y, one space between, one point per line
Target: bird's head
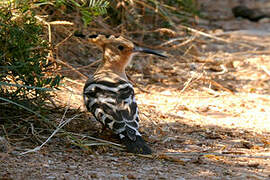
118 51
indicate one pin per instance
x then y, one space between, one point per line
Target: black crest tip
93 36
79 34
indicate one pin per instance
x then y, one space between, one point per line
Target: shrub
26 75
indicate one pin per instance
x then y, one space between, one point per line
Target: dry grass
201 121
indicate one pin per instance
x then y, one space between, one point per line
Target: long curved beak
148 51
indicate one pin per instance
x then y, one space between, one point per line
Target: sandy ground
202 124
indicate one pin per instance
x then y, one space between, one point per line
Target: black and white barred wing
114 105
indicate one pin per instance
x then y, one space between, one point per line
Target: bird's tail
138 146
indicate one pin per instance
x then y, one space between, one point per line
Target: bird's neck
110 69
115 65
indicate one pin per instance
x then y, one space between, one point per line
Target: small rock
180 178
51 177
116 175
94 175
247 145
46 165
131 176
72 167
254 165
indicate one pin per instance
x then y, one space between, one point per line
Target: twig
211 91
172 40
57 129
97 139
164 14
216 84
90 65
266 70
104 25
187 83
71 67
5 131
224 70
204 34
70 35
185 42
101 30
68 106
251 52
228 154
49 34
34 132
73 81
136 85
188 49
61 23
52 101
83 67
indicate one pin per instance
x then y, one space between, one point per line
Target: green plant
26 76
187 6
150 13
87 8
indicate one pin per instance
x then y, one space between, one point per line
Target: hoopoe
109 95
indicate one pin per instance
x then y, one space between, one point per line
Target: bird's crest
102 40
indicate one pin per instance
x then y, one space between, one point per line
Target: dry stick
156 10
56 46
173 40
188 49
185 42
228 154
73 81
68 106
159 30
49 33
61 23
265 70
90 65
50 42
136 85
84 67
216 84
204 34
65 63
57 129
100 140
211 36
187 83
61 124
34 132
6 134
97 29
52 101
71 67
105 26
252 52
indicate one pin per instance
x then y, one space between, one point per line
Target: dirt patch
201 122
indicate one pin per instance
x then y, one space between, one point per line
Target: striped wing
114 105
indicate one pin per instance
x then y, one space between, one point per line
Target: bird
250 14
109 95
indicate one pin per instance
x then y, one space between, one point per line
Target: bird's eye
120 47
